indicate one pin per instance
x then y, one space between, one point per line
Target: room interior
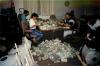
12 52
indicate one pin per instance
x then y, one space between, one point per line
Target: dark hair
34 14
53 17
26 11
92 19
69 14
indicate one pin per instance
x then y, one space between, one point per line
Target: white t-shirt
32 24
71 21
96 25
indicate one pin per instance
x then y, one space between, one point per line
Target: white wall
18 4
30 5
60 9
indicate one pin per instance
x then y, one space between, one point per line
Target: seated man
70 22
36 34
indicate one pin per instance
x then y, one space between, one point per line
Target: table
53 34
48 62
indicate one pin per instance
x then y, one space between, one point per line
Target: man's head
21 10
26 12
52 17
34 15
67 16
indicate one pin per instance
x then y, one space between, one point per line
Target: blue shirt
23 18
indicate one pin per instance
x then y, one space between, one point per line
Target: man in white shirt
36 34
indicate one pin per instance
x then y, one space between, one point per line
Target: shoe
34 40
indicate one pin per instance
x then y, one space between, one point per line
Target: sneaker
34 40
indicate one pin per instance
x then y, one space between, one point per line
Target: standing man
22 18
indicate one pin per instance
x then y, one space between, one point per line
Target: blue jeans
37 34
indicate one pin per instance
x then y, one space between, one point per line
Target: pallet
82 62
